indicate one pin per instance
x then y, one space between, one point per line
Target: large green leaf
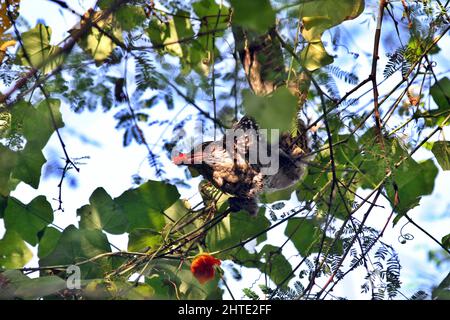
270 260
48 241
28 220
144 206
165 36
37 51
117 289
38 124
283 194
442 291
96 43
440 91
441 150
303 233
142 239
276 265
306 236
29 164
76 246
209 10
14 253
103 214
235 228
176 37
10 280
318 16
274 112
414 180
315 56
7 163
203 49
446 241
253 14
130 17
39 287
3 204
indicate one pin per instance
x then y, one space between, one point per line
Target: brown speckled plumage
232 173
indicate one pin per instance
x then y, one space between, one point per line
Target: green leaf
440 91
3 204
130 17
441 150
142 239
318 16
234 229
165 37
170 37
182 24
10 280
208 11
314 56
442 291
77 245
145 205
28 220
163 290
48 241
306 236
316 185
253 14
29 164
246 259
103 214
37 127
177 210
302 233
283 194
414 180
96 43
7 164
142 291
276 266
446 241
14 253
37 51
274 112
40 287
117 289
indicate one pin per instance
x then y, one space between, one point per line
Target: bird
233 165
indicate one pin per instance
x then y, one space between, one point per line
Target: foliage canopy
274 60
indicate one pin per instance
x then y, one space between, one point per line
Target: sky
111 166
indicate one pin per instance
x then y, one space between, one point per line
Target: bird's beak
188 159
